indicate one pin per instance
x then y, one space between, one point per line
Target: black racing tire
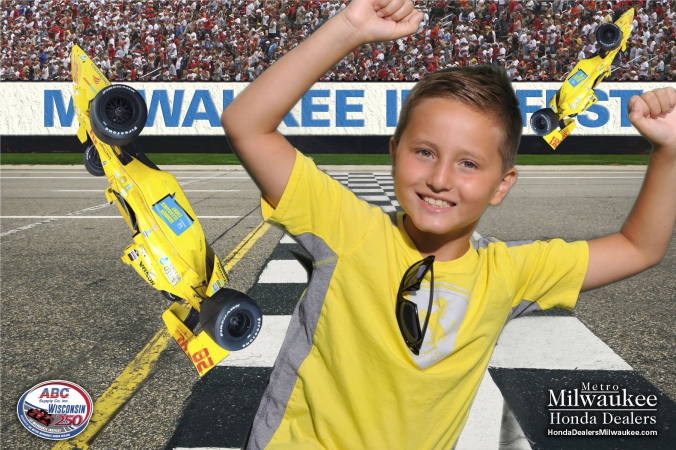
232 319
92 162
544 121
608 36
118 114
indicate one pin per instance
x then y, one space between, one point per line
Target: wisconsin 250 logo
55 409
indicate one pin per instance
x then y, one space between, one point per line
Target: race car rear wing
204 353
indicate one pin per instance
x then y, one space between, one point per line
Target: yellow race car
576 94
169 249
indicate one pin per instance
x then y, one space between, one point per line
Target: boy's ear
506 183
393 153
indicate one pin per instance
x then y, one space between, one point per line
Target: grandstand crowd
236 40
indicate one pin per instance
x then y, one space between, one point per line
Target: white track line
287 240
283 271
49 219
562 343
482 430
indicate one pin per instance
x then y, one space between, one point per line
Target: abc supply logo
55 409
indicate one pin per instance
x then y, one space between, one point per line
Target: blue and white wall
328 109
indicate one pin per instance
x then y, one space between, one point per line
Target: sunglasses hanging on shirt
407 311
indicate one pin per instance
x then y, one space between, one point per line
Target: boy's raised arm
251 120
646 234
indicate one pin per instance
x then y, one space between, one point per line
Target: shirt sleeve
549 273
315 203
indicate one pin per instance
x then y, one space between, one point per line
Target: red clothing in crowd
492 8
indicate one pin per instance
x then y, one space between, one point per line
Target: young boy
387 347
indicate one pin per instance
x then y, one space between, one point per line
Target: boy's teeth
435 202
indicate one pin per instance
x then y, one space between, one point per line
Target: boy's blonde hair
485 89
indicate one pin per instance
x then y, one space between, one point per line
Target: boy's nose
440 177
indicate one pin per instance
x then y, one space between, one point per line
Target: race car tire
118 114
608 36
92 162
231 318
544 121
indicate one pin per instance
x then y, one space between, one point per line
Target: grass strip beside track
129 381
327 159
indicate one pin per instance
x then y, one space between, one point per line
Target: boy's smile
447 169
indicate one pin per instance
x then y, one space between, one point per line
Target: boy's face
447 169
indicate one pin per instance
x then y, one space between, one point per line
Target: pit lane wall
327 109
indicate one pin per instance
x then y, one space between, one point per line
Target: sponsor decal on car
220 280
55 409
128 187
150 277
173 215
578 78
575 103
171 273
146 233
133 255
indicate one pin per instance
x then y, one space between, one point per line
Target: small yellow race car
169 249
576 94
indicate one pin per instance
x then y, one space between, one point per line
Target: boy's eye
425 153
469 165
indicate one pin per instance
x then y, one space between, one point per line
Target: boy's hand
653 115
382 20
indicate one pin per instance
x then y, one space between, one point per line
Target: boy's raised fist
381 20
654 116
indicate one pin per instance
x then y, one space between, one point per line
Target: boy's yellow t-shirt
344 378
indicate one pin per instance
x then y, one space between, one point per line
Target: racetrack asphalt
72 310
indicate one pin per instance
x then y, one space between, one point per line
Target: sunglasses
407 311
